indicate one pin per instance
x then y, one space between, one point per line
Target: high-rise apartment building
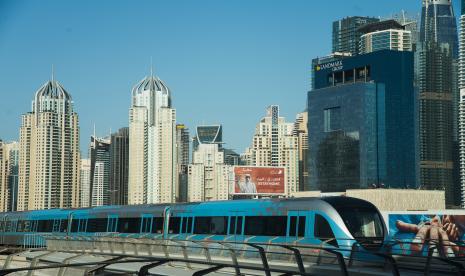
49 151
152 144
85 183
182 152
208 177
346 35
99 155
384 35
274 144
362 123
437 53
9 160
301 132
119 167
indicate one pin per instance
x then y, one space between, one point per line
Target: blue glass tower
362 123
437 64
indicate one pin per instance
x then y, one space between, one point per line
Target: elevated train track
113 255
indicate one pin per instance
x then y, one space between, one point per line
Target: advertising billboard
418 234
258 180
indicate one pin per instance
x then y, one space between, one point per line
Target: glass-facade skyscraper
362 129
436 71
346 36
119 167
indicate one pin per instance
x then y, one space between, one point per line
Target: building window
332 119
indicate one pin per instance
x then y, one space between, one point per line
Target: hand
432 231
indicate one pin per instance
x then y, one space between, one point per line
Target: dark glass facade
362 123
208 135
119 167
437 79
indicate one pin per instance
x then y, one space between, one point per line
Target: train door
146 223
296 225
236 226
112 225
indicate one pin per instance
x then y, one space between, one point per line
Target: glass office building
346 35
362 126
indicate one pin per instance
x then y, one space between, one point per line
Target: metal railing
213 255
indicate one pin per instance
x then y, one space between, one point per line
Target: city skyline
262 75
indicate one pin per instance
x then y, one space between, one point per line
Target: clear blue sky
225 61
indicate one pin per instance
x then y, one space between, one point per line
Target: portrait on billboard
420 234
258 180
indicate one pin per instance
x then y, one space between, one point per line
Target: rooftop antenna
151 66
53 74
94 129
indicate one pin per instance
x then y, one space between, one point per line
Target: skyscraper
209 134
119 167
437 53
49 151
461 81
9 153
274 144
301 132
346 35
208 175
362 123
85 183
152 144
182 151
99 155
384 35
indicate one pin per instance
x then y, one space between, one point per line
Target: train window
129 225
74 225
44 225
19 226
174 224
211 225
239 226
292 226
297 230
95 225
323 230
27 226
2 228
8 226
157 225
265 226
64 225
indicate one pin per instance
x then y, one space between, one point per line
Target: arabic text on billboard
258 180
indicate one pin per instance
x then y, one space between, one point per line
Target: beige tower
49 151
274 144
208 176
301 132
8 176
152 144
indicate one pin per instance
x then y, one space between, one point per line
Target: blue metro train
335 221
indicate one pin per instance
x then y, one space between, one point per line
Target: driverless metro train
337 222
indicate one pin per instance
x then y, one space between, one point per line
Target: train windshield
362 222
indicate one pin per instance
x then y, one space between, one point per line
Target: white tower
152 144
49 151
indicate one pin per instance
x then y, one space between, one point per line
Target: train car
335 222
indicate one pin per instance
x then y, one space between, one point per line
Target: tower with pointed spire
49 151
152 143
